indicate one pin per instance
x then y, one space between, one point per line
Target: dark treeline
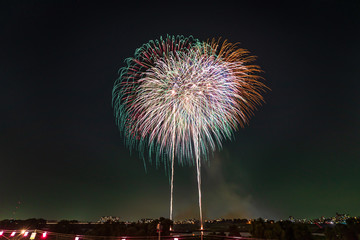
32 223
282 230
350 231
286 230
104 229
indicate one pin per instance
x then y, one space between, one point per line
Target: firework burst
179 98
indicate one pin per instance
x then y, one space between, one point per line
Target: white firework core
196 92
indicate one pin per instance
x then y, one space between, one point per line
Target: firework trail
178 98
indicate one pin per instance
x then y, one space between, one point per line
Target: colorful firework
178 99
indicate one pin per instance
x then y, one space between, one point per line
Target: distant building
110 219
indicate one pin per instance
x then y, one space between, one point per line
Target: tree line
105 229
282 230
286 230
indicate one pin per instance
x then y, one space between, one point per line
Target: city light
76 238
25 234
22 231
1 233
44 234
176 239
12 234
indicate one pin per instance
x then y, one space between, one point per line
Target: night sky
61 154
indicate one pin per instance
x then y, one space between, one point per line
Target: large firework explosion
178 98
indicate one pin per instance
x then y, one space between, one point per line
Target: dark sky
61 155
